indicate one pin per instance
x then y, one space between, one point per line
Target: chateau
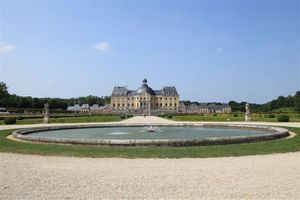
145 100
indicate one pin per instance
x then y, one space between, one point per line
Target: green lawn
232 117
71 119
268 147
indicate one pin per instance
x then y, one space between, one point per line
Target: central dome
145 89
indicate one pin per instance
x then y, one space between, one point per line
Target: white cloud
102 46
6 47
219 50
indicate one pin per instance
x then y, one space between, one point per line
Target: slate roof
169 91
76 107
119 91
123 91
85 106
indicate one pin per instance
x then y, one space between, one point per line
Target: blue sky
210 50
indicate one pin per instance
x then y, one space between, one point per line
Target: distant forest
281 104
11 100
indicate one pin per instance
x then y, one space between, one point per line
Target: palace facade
145 100
204 108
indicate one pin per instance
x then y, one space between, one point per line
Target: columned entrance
145 107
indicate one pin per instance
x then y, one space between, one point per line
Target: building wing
119 91
169 91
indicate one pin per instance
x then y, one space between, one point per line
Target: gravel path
251 177
274 176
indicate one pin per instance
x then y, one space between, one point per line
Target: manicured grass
268 147
78 119
232 117
86 119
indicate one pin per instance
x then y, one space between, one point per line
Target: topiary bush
169 116
235 115
283 118
215 115
271 115
10 120
123 116
20 118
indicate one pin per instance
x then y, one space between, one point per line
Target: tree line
12 100
292 102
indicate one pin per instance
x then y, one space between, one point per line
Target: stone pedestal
247 113
46 113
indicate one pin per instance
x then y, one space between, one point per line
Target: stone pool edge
276 133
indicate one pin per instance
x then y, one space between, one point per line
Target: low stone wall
275 133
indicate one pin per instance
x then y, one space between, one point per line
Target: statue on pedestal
247 113
46 113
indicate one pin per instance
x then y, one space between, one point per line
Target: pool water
140 133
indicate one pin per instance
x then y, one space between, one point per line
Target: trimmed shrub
235 115
169 116
283 118
271 115
123 116
20 118
10 120
215 115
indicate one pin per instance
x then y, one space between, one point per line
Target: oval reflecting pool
142 133
167 135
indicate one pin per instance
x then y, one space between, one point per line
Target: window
128 105
160 98
123 104
160 104
118 105
170 98
156 104
175 104
170 104
175 98
132 105
165 98
114 105
166 105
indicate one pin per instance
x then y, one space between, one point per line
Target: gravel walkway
274 176
251 177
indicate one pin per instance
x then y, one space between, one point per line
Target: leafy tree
297 101
3 93
3 90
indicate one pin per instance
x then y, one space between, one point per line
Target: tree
3 90
297 101
3 94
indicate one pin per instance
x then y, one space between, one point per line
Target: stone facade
85 108
145 100
204 108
